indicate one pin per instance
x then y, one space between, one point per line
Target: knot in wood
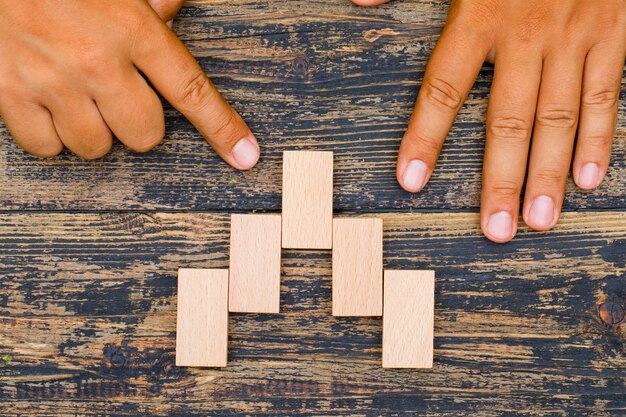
611 312
300 66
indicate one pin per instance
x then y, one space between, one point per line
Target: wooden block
357 267
254 285
307 199
202 318
408 319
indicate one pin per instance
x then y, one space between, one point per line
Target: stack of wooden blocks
360 287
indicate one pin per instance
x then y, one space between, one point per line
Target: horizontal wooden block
254 263
357 267
307 199
408 316
202 317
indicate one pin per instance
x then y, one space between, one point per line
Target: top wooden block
254 285
408 319
307 200
202 317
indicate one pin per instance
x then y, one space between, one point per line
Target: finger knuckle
603 99
423 144
195 92
91 58
441 93
146 142
508 127
97 147
531 27
557 116
47 149
597 143
549 177
225 126
505 189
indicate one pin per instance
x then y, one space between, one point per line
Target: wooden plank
88 321
202 318
357 267
254 285
307 200
408 319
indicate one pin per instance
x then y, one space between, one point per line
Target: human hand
71 75
558 68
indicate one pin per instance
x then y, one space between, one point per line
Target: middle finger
510 116
553 138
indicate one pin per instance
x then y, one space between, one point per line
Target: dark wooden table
89 250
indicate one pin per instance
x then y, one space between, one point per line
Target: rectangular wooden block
255 250
408 316
202 317
307 199
357 267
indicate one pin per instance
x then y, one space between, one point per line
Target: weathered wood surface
89 250
305 74
88 306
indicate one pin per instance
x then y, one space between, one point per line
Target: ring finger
553 138
510 117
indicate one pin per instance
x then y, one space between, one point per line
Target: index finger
450 73
176 74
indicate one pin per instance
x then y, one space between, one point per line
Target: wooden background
89 250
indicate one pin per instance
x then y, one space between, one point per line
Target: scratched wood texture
88 310
305 74
89 250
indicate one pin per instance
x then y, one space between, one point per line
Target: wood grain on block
408 319
254 263
202 318
357 267
307 199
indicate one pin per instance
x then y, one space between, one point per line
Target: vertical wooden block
357 267
408 319
255 249
307 199
202 317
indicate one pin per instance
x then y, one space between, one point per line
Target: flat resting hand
70 76
558 67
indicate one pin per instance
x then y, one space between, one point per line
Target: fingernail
589 175
246 153
500 226
170 23
415 175
541 213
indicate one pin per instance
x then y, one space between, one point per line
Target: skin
69 80
558 66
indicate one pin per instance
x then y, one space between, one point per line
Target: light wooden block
202 317
307 199
254 263
408 319
357 267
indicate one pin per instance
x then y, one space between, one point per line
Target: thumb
166 9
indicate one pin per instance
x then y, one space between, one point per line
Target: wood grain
88 320
254 285
305 74
202 317
357 266
307 208
408 319
87 298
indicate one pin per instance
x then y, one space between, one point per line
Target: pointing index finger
176 74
